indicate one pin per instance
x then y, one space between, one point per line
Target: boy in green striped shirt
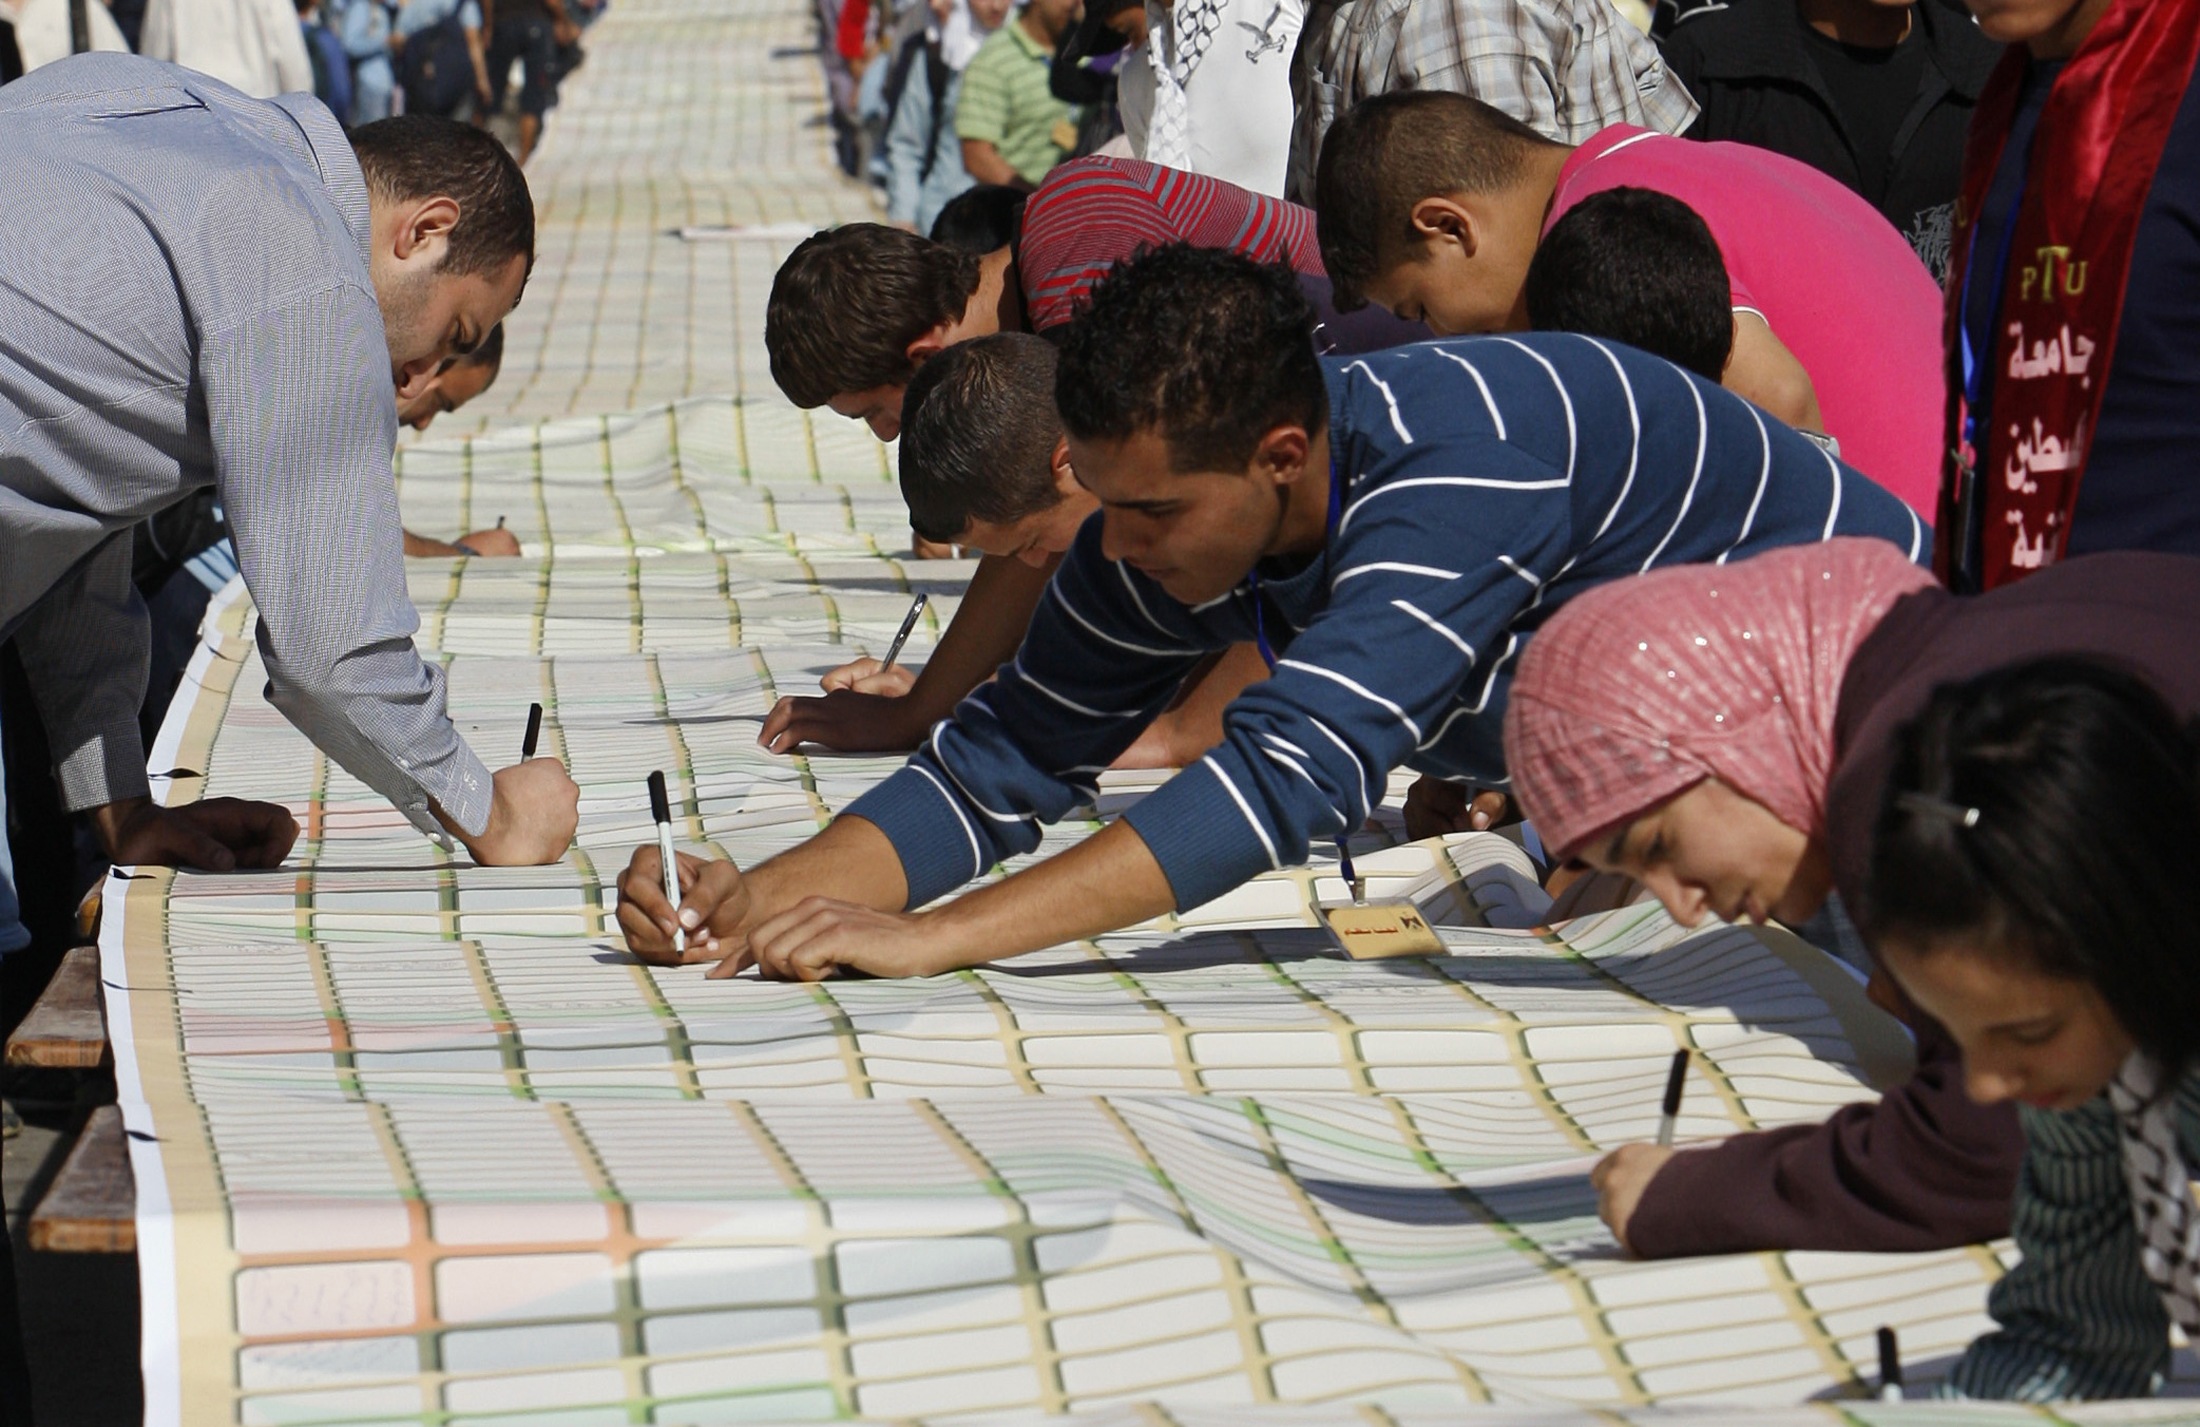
1012 127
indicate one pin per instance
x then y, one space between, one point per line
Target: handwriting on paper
1376 929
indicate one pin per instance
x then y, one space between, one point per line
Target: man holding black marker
1393 527
245 298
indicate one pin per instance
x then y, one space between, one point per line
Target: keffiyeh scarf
1178 39
2161 1189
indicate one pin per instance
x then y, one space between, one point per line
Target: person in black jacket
1085 67
1876 95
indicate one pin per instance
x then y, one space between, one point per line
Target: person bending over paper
243 298
1434 205
459 381
856 312
1722 737
1392 527
984 465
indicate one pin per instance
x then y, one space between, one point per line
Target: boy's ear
928 344
1443 218
1065 475
1281 456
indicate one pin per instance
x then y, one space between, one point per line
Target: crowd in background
929 97
364 59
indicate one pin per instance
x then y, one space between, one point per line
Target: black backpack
435 69
937 77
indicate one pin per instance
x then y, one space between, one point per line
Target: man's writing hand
215 835
1435 806
817 936
532 818
491 542
713 902
1620 1179
868 676
844 720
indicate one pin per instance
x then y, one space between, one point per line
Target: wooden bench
91 1206
67 1029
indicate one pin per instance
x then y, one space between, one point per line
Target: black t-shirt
1874 91
2140 490
1764 78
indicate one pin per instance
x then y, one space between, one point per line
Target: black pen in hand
1670 1113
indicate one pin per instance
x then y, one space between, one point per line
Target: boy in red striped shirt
856 310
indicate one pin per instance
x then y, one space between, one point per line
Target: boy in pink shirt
1432 204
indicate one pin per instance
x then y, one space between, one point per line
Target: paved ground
688 112
80 1326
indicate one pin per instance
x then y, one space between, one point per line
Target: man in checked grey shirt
200 288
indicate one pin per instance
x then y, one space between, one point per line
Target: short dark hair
488 353
848 302
981 219
1386 154
978 433
1205 347
2079 860
421 156
1639 267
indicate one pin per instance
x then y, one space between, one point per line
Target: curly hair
1207 347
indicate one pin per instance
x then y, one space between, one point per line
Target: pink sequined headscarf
1642 688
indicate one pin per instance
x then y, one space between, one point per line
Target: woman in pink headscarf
1721 733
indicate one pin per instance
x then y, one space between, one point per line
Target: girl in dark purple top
1722 734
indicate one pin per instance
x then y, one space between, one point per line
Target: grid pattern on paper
686 114
467 1160
434 1150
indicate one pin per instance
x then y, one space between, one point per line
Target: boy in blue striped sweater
1393 527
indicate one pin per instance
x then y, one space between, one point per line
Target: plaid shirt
1565 68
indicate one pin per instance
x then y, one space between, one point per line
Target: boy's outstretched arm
1764 371
833 901
984 634
1193 724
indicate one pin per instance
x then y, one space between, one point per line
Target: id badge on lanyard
1364 928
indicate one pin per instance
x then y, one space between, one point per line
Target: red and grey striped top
1092 213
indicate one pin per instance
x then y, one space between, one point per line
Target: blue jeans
13 935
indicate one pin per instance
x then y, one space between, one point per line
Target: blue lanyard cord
1252 578
1268 653
1975 365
